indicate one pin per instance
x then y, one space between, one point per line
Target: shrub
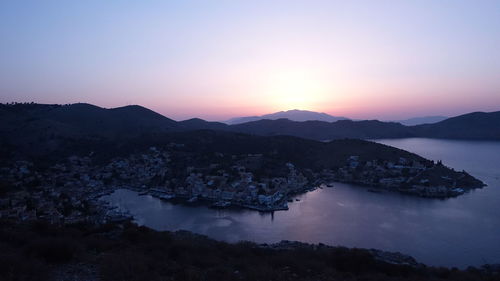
15 267
54 249
127 266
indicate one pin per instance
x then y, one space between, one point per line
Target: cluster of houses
233 185
63 193
68 192
426 179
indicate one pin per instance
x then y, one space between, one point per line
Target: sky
221 59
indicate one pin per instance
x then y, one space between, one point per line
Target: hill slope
421 120
41 128
82 118
476 125
319 130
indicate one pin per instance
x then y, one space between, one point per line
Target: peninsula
220 168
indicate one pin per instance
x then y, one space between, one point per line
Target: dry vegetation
128 252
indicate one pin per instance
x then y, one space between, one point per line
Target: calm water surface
454 232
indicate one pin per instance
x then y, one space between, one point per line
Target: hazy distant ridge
293 115
422 120
305 115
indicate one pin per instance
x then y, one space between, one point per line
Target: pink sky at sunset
359 59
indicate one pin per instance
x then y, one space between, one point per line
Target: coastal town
69 192
250 140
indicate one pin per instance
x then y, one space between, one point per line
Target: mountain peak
292 114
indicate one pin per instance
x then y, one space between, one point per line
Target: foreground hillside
43 252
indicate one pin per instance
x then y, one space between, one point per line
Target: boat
166 196
221 204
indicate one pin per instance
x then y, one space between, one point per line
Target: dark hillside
302 152
477 125
200 124
83 119
40 129
320 130
123 120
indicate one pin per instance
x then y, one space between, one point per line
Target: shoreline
123 249
276 239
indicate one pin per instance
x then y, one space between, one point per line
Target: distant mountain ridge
475 125
320 130
293 115
421 120
27 125
305 115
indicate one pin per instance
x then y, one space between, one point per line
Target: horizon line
237 117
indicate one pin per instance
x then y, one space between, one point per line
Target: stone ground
76 272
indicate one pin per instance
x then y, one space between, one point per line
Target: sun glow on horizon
296 88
